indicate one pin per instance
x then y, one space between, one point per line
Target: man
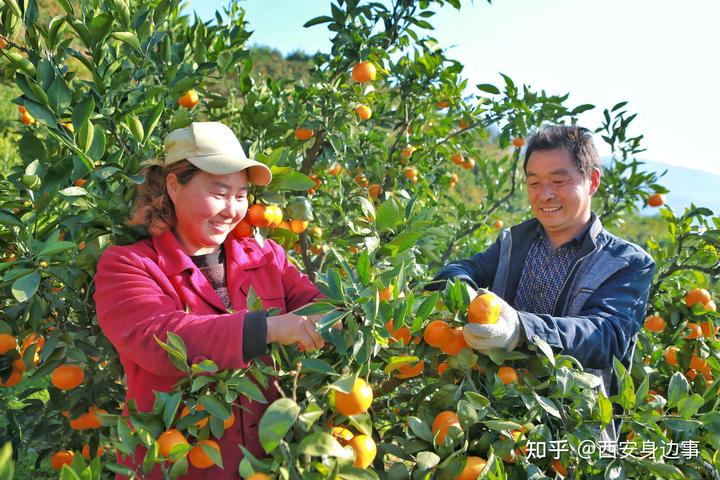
561 276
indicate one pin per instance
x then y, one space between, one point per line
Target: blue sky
659 55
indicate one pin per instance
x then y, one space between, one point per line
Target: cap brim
223 164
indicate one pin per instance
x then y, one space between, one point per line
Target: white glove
506 333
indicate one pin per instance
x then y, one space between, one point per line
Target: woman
192 278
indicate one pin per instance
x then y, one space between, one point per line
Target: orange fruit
518 142
63 457
402 334
362 180
469 164
670 355
30 340
364 72
386 294
189 99
257 215
244 229
365 450
168 439
374 190
67 377
342 434
463 124
411 172
697 295
458 159
511 457
79 182
697 363
558 467
705 327
710 306
456 343
443 418
474 466
443 104
334 169
438 334
86 451
695 331
507 375
7 343
198 408
656 200
259 476
408 151
87 420
199 458
357 401
655 323
484 309
3 43
274 215
230 421
68 126
303 134
16 374
410 371
27 119
498 224
363 112
442 367
298 226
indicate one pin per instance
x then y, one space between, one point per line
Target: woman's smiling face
207 209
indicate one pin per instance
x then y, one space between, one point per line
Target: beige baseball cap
213 148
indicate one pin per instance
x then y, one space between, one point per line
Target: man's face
558 194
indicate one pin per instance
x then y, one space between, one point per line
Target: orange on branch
695 331
518 142
189 99
484 309
257 216
507 375
364 72
243 229
655 323
365 450
199 458
656 200
411 371
7 343
456 343
710 306
198 408
298 226
170 438
670 355
438 334
63 457
363 112
386 294
458 159
67 377
86 451
374 190
303 134
474 466
357 401
334 169
697 295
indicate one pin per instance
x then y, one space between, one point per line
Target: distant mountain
686 186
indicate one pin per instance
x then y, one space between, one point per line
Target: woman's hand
291 328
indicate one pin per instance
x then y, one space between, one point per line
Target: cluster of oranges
411 173
260 215
197 454
357 401
8 346
25 116
460 160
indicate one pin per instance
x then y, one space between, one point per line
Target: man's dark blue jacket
600 308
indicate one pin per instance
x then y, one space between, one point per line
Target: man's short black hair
575 140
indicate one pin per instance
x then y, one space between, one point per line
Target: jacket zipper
507 268
569 276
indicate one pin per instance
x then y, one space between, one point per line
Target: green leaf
363 268
254 303
7 467
486 87
82 111
97 148
663 470
388 215
298 182
427 306
547 405
214 406
152 121
59 94
317 365
246 387
84 137
605 409
129 39
300 208
276 421
171 407
52 248
420 429
689 406
322 443
316 308
677 389
136 127
362 422
544 348
427 460
7 218
498 425
25 287
317 21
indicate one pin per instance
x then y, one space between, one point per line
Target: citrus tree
386 164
